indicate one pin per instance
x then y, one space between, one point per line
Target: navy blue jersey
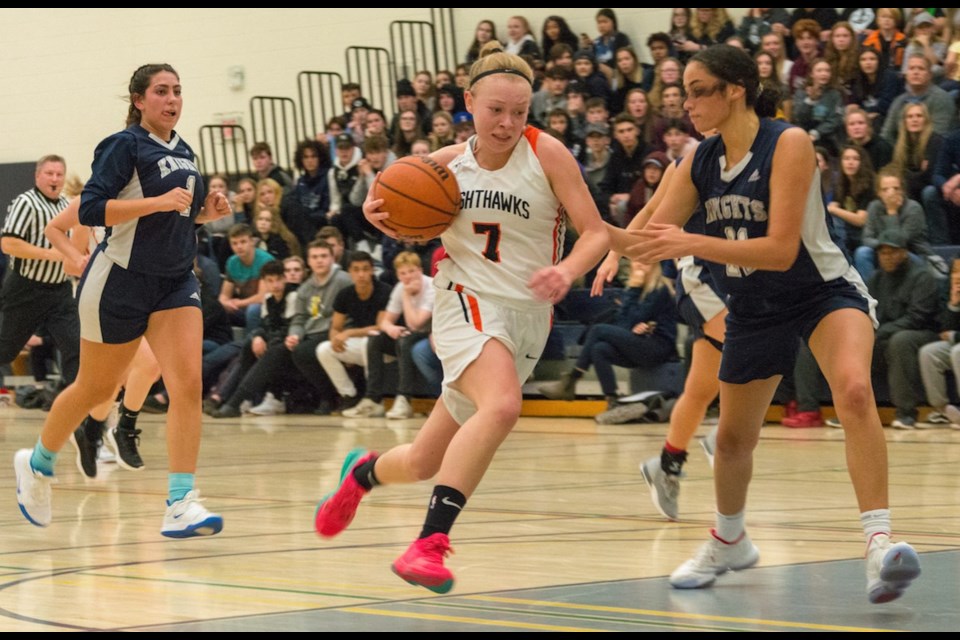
135 164
736 204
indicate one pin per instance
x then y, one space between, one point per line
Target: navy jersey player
492 312
139 283
766 240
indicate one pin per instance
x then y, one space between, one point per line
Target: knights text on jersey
736 205
510 225
134 164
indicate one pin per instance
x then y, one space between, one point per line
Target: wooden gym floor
560 536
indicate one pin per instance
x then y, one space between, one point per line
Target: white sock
730 528
875 522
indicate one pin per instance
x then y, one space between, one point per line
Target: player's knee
855 394
422 465
505 412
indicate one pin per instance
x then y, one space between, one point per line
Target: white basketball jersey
510 225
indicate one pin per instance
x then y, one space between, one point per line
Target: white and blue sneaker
890 569
188 518
714 558
33 489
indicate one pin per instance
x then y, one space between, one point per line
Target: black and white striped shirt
27 216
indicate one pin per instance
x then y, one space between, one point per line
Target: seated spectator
873 89
520 40
644 334
941 199
311 322
860 131
908 306
442 134
887 39
273 236
941 108
627 74
304 208
624 169
609 40
892 211
264 358
943 355
643 189
757 23
241 293
552 96
405 322
926 42
594 83
341 178
357 312
853 192
595 155
915 157
818 107
261 154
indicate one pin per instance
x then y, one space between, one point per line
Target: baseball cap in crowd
405 88
892 238
596 129
462 116
360 103
656 158
922 18
584 54
343 141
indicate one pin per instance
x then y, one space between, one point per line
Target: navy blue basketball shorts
763 333
115 303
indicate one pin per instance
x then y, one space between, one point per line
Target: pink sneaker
803 420
422 564
335 512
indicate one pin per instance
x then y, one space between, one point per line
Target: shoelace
40 489
133 434
437 547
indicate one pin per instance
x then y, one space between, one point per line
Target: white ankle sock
874 522
730 528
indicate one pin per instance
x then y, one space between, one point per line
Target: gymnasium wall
65 71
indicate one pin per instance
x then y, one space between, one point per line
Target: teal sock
179 484
43 459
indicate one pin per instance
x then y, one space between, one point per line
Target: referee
36 291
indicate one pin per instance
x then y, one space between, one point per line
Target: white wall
64 72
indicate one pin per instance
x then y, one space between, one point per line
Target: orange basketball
421 196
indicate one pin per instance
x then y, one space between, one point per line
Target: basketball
421 196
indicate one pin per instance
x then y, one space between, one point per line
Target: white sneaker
188 518
33 489
270 406
709 445
366 408
713 558
905 424
245 407
953 414
934 420
890 569
401 409
664 487
106 455
833 423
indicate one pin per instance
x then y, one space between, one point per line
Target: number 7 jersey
510 225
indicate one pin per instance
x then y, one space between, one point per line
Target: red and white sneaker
422 564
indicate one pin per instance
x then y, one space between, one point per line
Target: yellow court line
465 620
670 614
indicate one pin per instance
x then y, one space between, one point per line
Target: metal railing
414 48
273 119
320 93
372 69
224 149
448 57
